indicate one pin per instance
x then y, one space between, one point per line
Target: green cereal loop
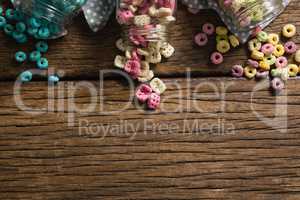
26 76
20 56
262 36
20 27
35 56
2 21
42 46
42 63
9 14
270 59
8 29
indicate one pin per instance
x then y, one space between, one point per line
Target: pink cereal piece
227 3
208 28
290 47
237 71
253 63
255 31
216 58
144 8
281 62
136 38
262 74
135 55
268 49
153 101
133 68
143 93
201 39
124 17
277 84
167 4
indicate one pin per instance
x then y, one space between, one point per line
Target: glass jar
145 22
249 14
48 18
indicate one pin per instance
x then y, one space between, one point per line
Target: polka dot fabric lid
97 12
227 19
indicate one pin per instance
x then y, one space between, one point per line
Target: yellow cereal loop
273 38
254 44
223 46
297 56
221 30
289 31
250 72
279 50
293 70
264 65
257 55
234 41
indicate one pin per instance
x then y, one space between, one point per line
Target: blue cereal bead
42 63
43 33
20 56
34 22
23 39
2 21
19 37
18 16
9 14
26 76
21 27
53 79
42 46
32 31
8 29
35 56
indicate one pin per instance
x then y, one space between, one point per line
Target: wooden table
213 138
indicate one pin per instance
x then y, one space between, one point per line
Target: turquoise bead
9 14
26 76
19 37
42 63
53 79
1 10
23 39
20 56
43 33
18 16
34 22
32 31
2 22
20 27
8 29
35 56
42 46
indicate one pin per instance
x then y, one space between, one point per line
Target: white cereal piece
164 12
120 61
146 78
120 44
154 57
141 20
158 86
167 50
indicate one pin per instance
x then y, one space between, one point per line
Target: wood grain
41 157
82 53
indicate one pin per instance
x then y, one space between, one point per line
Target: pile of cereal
15 25
144 43
269 57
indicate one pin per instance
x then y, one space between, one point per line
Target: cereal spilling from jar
269 56
144 43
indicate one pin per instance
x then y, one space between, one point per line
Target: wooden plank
41 157
82 54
